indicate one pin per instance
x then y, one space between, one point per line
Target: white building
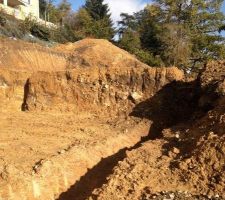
21 8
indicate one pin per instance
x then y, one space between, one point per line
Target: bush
63 34
148 58
2 20
40 32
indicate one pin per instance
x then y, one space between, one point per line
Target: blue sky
78 3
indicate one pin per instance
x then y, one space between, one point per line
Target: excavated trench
77 170
175 103
80 121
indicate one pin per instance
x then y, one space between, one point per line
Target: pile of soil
17 55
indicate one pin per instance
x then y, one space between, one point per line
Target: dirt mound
97 53
213 73
42 154
87 74
136 132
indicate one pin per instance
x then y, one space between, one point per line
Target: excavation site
89 121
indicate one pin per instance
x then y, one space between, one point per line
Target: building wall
21 12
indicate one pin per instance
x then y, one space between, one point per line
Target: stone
136 96
176 150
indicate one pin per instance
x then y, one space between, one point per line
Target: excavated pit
89 121
76 102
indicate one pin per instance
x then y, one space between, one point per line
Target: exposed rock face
110 89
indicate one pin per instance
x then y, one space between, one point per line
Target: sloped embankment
187 162
96 89
23 56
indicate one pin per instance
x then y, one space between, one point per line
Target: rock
62 151
136 96
172 195
176 150
217 196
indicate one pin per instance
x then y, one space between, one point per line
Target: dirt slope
108 89
23 56
187 162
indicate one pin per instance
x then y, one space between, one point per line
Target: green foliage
2 18
83 24
26 25
41 32
97 9
64 34
101 26
130 41
182 33
148 58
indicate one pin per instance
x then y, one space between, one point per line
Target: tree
64 9
102 23
82 23
185 33
42 8
202 20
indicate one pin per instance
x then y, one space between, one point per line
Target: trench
173 104
96 177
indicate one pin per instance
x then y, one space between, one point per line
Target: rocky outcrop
108 89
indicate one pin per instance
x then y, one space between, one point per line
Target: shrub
40 32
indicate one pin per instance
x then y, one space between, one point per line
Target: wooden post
5 2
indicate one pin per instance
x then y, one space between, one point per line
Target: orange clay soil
89 121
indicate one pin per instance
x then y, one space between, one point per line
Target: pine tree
185 33
201 21
99 12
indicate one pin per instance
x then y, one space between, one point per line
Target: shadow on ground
95 177
173 104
